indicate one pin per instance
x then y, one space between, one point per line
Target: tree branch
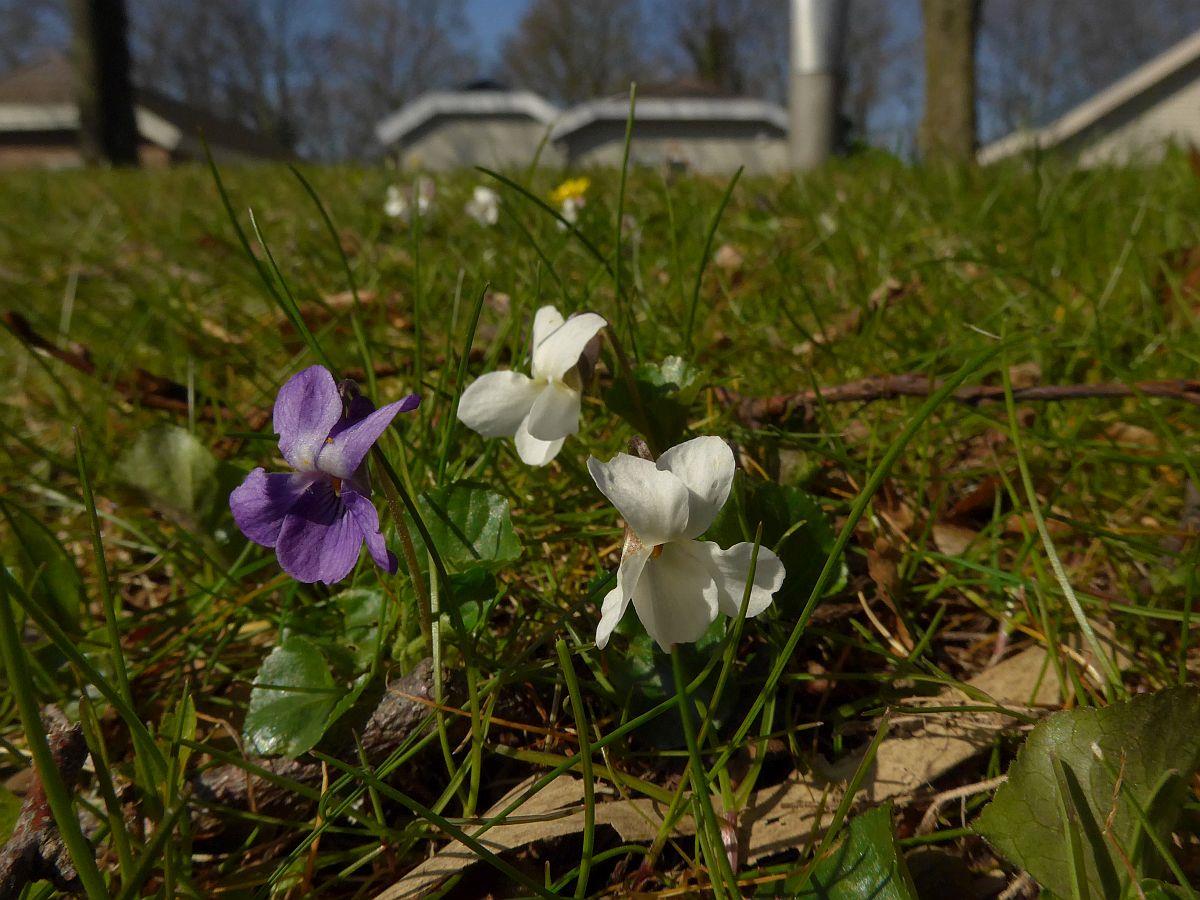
776 410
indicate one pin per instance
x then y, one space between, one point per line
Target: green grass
1064 271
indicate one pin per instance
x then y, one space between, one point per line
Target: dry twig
780 408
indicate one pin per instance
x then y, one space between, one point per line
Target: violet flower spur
318 516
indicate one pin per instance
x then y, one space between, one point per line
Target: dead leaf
781 817
1025 375
728 257
882 566
979 502
951 539
1133 436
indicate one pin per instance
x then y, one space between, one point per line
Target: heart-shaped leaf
1091 766
660 407
48 570
178 475
292 698
470 526
867 863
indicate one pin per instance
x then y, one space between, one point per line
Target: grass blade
58 796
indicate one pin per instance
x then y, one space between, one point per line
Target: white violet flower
484 206
397 203
542 411
677 583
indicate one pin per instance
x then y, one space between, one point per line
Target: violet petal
345 452
260 503
319 540
306 410
367 518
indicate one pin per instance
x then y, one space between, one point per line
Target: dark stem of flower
396 509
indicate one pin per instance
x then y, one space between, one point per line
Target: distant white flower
484 206
395 204
677 583
570 197
398 202
542 411
570 209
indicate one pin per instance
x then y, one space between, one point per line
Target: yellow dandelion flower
571 188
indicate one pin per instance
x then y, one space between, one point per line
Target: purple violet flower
318 516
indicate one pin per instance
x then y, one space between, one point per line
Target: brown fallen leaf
1131 436
728 257
952 539
784 816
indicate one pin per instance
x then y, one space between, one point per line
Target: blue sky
492 21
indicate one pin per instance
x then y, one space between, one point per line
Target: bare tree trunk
948 126
104 89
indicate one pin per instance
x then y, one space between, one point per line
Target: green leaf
470 525
362 609
10 810
47 569
666 391
867 863
1150 743
178 476
291 700
793 525
642 671
179 723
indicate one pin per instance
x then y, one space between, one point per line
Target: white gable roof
1091 111
412 116
672 109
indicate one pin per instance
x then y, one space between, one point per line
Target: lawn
960 406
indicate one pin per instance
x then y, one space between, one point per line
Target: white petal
705 465
654 503
555 413
633 560
731 568
676 597
546 321
495 404
534 452
559 351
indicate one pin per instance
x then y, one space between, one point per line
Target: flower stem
585 755
635 396
396 509
718 859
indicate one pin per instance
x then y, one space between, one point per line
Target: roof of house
41 97
487 100
1092 111
672 109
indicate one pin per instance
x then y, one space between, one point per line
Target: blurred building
680 125
1132 120
39 124
482 124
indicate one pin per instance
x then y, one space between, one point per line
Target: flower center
656 552
337 488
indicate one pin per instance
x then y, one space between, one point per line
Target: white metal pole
818 29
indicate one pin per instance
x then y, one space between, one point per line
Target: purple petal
260 503
345 452
306 410
360 407
367 518
319 540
